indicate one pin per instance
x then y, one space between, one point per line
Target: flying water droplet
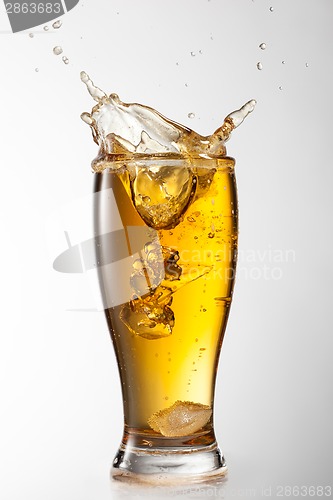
46 28
65 59
96 93
193 54
87 119
57 24
306 65
283 62
259 65
31 35
271 9
36 69
262 46
237 117
280 87
191 115
57 50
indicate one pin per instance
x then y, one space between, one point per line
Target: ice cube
183 418
172 270
150 317
162 194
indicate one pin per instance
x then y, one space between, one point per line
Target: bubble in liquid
262 46
191 115
46 28
271 9
65 59
57 50
31 35
259 65
57 24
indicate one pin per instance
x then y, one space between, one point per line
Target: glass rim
109 162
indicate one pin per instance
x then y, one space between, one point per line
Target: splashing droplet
259 66
31 35
46 28
86 117
271 9
96 93
57 50
191 115
65 59
57 24
262 46
237 117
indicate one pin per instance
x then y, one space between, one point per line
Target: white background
61 414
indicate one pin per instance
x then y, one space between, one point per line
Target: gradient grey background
61 415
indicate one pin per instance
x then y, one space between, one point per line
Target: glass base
168 466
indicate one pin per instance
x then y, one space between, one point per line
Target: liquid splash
126 129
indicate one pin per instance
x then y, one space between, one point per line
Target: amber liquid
181 365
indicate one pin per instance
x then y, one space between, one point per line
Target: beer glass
166 273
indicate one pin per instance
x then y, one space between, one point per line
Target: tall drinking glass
166 275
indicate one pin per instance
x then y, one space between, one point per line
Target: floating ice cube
162 194
150 317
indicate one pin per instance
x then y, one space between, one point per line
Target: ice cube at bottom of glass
183 418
